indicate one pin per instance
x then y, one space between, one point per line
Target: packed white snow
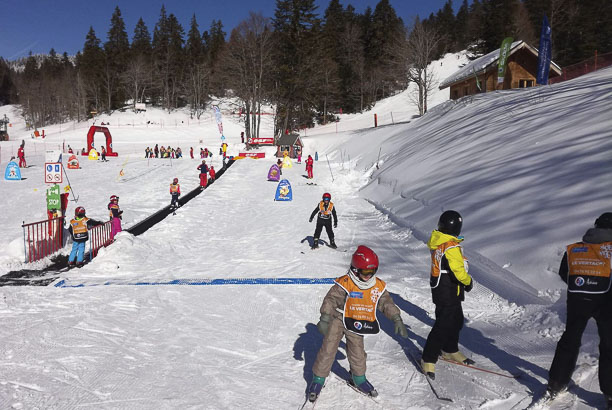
528 169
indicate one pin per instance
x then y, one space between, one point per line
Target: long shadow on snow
42 277
471 338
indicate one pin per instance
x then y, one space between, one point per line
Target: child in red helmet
326 211
79 229
115 215
211 172
358 295
175 192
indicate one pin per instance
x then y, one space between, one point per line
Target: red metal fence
42 238
99 237
584 67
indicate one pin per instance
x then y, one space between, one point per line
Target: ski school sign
260 141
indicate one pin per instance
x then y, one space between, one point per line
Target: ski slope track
216 307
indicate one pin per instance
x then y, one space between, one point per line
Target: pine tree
116 49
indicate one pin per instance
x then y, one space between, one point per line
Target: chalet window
465 91
455 94
525 83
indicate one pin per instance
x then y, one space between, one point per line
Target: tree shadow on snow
471 338
306 348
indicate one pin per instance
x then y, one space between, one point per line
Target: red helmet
364 261
79 211
175 181
114 198
327 196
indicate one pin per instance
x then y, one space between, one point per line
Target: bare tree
198 88
247 61
135 78
421 49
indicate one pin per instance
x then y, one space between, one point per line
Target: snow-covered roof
481 64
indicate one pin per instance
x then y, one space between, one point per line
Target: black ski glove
323 324
470 286
335 224
310 220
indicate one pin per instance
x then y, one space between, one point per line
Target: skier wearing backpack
203 168
326 211
349 310
449 280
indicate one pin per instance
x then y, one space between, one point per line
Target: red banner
252 154
261 141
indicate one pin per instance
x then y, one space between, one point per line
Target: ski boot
457 357
315 243
315 388
363 385
553 390
332 244
429 369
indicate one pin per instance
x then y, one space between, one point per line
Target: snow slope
527 169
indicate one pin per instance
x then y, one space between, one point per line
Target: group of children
163 152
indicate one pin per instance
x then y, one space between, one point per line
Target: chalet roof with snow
482 64
289 139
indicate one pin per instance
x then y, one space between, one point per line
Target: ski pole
75 198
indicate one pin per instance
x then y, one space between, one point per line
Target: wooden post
375 120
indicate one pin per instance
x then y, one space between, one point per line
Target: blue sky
39 25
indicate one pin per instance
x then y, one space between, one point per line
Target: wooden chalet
292 143
521 72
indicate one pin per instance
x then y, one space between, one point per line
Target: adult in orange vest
448 280
586 269
175 192
79 230
349 310
325 210
309 165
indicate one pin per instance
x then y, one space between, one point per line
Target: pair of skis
471 366
311 404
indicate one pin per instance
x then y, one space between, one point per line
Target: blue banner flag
544 53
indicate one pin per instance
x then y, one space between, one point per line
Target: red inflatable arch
109 140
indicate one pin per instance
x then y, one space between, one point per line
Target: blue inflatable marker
12 172
316 156
283 191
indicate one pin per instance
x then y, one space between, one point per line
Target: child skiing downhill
349 310
79 229
449 280
115 215
175 192
212 173
326 211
